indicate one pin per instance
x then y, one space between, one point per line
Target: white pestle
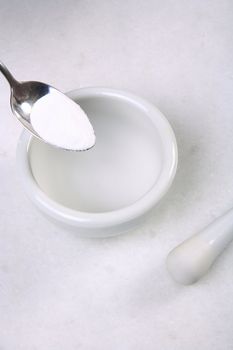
189 261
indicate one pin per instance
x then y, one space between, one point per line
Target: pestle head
188 262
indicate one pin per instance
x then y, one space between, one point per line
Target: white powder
61 122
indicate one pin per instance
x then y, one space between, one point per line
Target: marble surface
61 292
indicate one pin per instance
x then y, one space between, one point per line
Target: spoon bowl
26 94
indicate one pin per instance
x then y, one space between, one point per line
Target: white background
60 292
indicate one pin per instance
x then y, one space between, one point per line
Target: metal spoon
24 94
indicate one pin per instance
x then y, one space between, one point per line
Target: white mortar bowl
107 190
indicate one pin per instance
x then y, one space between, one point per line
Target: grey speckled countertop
59 292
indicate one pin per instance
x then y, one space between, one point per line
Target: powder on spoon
60 121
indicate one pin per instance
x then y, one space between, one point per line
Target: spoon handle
192 259
11 80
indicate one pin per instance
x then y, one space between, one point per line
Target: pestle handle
192 259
